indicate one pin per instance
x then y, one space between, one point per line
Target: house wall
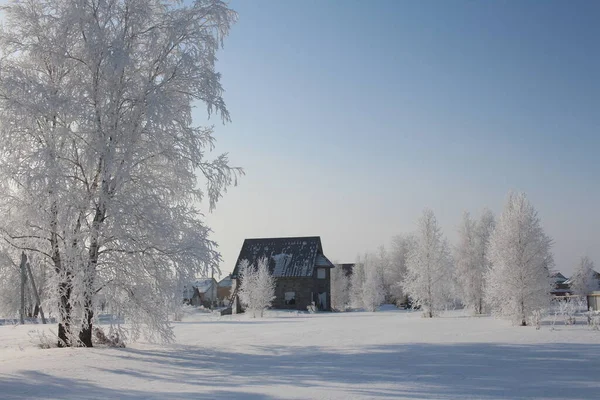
593 300
306 291
223 292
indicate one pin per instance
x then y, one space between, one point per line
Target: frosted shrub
41 339
112 340
567 310
593 319
536 318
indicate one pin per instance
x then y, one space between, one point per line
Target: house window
321 273
290 298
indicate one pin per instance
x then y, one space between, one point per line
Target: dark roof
558 277
290 256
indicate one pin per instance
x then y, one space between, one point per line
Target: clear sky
350 117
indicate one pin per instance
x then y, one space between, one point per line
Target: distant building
224 289
201 292
561 285
302 272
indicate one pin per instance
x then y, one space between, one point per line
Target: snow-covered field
389 354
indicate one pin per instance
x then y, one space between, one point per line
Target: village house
202 292
301 270
561 287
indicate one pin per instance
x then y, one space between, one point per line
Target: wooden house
301 270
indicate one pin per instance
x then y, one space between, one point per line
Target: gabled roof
558 277
226 282
203 285
291 256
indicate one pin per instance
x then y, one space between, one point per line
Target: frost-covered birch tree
584 278
340 289
428 280
518 283
257 286
356 284
101 162
471 259
396 268
373 287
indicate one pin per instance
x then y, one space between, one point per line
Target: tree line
502 266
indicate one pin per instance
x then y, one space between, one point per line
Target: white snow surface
389 354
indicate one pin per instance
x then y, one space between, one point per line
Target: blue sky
350 117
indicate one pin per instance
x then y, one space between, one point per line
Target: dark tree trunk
64 287
64 326
85 335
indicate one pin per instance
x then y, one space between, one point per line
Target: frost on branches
396 268
429 279
471 259
518 283
340 289
584 278
356 284
257 286
373 288
100 164
367 287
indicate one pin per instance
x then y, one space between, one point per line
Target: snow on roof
203 285
558 277
322 261
288 256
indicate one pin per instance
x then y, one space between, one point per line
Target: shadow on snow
428 371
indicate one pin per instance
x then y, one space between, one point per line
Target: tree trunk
23 277
523 316
64 326
85 335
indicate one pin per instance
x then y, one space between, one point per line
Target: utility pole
23 277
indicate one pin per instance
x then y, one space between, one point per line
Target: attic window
290 298
321 274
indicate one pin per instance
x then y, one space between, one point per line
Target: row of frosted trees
502 266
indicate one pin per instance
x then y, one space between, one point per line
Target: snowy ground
389 354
